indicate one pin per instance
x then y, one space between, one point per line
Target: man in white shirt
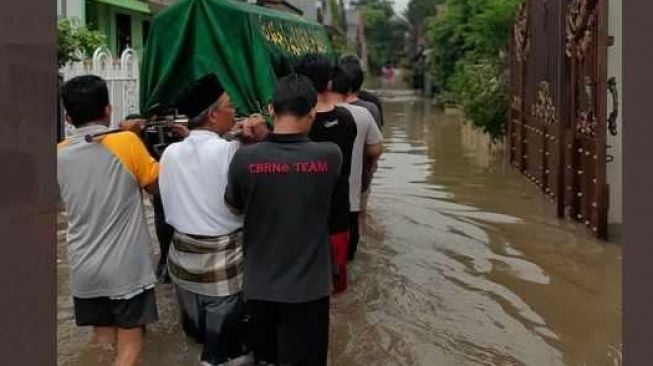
352 66
367 149
206 259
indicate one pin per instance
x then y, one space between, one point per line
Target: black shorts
105 312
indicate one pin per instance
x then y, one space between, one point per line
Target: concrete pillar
28 81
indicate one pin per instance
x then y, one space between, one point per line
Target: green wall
102 17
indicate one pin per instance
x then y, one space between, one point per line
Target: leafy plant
75 41
384 32
468 39
340 44
481 88
417 14
339 41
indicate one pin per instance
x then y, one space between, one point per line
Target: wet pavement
463 263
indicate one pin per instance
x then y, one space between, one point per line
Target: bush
481 89
384 32
468 39
75 41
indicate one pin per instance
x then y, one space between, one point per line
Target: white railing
122 76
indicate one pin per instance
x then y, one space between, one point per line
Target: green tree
469 38
75 41
416 14
384 31
341 45
447 35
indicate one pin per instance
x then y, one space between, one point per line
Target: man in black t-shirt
337 125
284 188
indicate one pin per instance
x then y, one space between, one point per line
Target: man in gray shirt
367 147
100 182
352 67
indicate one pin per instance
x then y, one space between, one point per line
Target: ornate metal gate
557 130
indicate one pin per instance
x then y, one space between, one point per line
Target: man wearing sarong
334 124
284 187
205 260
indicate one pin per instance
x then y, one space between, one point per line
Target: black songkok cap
199 95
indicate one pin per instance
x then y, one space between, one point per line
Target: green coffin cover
247 46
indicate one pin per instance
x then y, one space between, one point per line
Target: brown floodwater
463 263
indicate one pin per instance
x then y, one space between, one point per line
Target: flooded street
463 263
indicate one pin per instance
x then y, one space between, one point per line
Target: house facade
321 11
71 9
124 22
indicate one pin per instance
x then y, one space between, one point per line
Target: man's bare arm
373 152
136 125
372 155
253 129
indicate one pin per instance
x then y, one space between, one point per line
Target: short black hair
317 68
294 95
352 66
85 98
134 116
350 58
341 82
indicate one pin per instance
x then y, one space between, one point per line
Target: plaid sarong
211 266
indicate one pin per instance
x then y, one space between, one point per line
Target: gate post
563 97
601 190
61 123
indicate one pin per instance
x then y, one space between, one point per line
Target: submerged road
463 263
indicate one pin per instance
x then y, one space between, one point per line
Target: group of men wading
261 228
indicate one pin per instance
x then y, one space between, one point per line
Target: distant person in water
388 74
